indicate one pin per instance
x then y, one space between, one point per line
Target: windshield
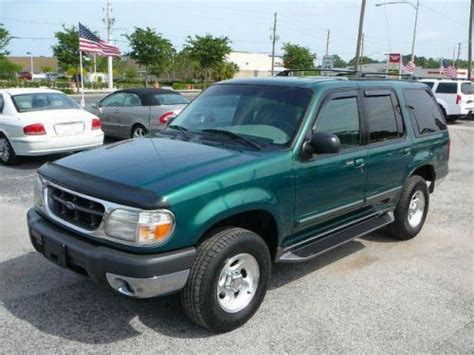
467 89
261 113
43 101
171 99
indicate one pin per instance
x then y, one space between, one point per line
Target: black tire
200 296
138 128
401 228
7 153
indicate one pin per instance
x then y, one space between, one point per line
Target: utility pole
459 54
109 21
359 34
414 32
469 53
327 42
362 48
273 42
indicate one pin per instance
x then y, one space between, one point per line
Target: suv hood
155 164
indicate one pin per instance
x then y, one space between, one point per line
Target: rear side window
447 88
424 111
467 89
341 118
381 118
171 99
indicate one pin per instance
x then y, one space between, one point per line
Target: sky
441 24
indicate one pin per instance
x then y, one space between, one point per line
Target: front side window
265 114
424 111
340 116
430 84
381 118
447 88
114 100
43 101
132 100
171 99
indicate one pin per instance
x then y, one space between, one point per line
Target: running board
321 244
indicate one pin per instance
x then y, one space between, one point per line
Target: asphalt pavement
372 295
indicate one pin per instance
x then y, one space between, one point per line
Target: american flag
90 43
448 69
408 68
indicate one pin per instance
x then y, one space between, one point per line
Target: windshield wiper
181 130
234 137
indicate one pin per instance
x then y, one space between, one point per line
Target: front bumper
136 275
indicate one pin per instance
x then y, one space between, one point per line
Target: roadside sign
394 58
328 62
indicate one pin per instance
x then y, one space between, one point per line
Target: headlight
141 227
38 194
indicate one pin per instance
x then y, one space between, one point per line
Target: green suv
253 171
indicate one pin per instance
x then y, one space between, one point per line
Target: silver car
133 112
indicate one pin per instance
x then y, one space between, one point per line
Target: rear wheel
138 131
228 280
7 154
411 211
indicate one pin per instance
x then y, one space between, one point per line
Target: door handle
406 151
359 163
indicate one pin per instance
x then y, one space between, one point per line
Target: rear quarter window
424 111
447 88
467 89
429 84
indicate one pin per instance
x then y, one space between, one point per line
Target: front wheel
411 210
228 280
7 154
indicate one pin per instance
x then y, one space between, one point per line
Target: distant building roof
38 63
255 61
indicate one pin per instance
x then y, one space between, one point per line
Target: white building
254 64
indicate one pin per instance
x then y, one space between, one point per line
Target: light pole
416 7
31 62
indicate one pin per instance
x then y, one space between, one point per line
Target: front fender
233 203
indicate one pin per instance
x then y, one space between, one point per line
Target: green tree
208 51
183 67
339 62
5 38
47 69
224 71
8 69
297 57
66 50
363 60
151 50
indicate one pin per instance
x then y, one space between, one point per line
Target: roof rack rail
349 72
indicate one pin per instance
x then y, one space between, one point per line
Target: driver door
110 112
329 186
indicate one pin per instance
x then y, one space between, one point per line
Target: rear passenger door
389 152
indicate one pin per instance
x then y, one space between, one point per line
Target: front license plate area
55 252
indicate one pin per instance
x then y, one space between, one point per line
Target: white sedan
44 121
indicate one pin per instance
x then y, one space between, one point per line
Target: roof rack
349 72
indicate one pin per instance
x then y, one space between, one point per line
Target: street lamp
31 61
416 7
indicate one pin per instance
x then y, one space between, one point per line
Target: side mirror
322 143
96 105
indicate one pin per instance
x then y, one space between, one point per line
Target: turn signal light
96 123
34 129
164 118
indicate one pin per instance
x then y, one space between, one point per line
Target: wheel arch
258 220
427 172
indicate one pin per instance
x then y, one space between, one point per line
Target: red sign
394 58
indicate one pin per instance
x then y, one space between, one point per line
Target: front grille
74 209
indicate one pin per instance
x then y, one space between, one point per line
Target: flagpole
83 101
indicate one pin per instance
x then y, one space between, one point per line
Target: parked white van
456 97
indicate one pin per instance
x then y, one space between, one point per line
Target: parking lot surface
374 294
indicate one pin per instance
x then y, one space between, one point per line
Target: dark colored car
133 112
251 172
